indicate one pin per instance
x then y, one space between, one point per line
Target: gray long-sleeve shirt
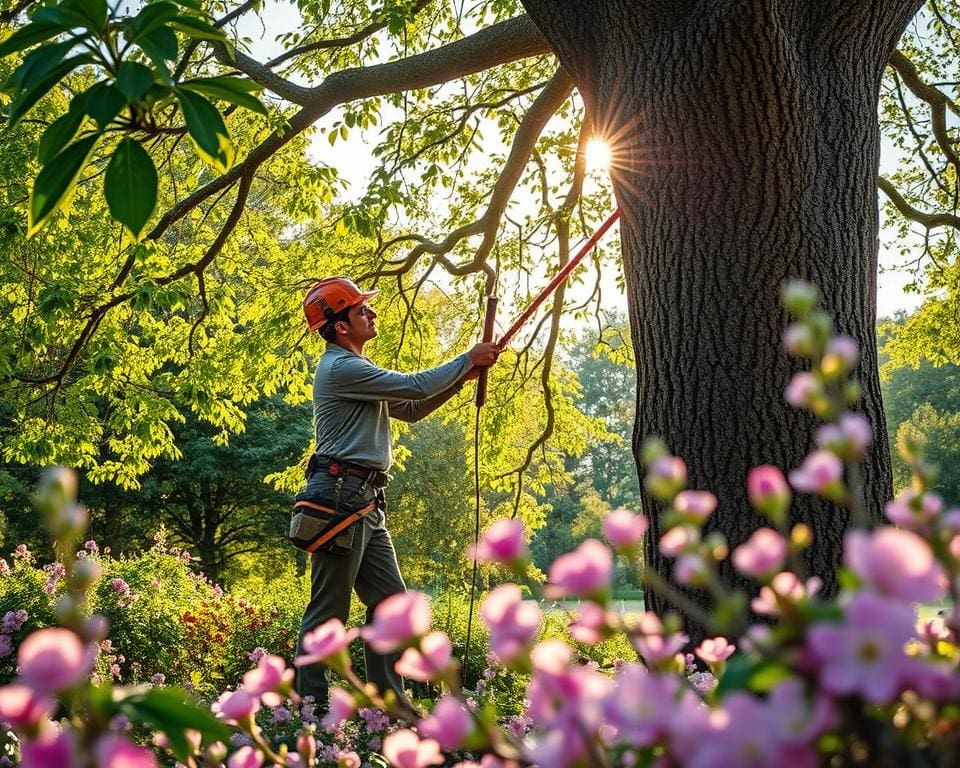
353 401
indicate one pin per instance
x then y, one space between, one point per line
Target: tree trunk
746 149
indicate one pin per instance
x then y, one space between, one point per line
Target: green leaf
33 33
37 63
130 186
70 14
59 133
207 129
104 102
25 101
235 90
134 80
151 17
159 44
56 180
167 710
198 28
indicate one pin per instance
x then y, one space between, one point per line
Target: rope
476 542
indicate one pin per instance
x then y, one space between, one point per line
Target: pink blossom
54 659
397 621
591 625
238 705
691 570
22 707
657 649
821 473
768 491
429 661
503 542
785 587
50 749
914 511
115 751
740 734
695 505
513 622
449 723
624 529
846 349
269 679
865 653
640 705
342 706
799 718
849 438
585 572
665 476
932 679
349 760
404 749
246 757
761 555
327 641
713 650
800 340
677 539
896 563
802 389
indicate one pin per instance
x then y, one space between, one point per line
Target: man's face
362 326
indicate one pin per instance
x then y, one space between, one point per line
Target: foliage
851 679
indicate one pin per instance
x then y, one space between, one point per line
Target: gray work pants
370 568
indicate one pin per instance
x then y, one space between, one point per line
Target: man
353 401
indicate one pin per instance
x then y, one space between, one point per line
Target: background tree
746 143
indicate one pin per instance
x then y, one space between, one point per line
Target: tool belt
337 468
314 525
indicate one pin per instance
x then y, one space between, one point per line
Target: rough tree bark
746 153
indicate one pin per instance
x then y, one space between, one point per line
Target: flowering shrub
852 681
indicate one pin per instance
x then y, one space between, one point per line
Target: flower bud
56 489
800 341
215 753
665 477
306 748
768 492
86 573
652 449
801 536
67 611
95 628
799 298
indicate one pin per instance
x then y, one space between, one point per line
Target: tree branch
938 101
531 126
927 220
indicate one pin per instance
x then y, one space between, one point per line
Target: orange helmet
329 298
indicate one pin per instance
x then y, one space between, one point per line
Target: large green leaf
198 28
25 101
160 42
130 186
37 63
56 180
151 17
235 90
59 133
167 710
104 102
207 129
33 33
134 80
91 14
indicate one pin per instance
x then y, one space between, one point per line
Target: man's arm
414 410
356 378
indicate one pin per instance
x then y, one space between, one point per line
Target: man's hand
483 355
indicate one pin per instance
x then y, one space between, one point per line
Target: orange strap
339 527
